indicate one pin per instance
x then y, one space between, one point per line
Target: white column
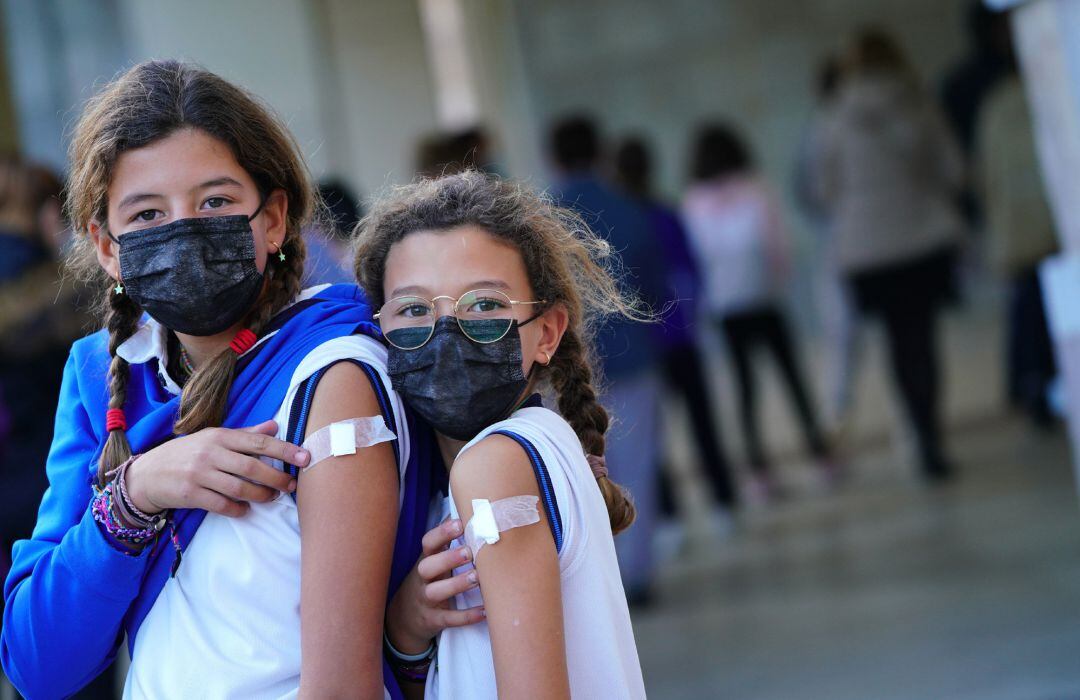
1047 37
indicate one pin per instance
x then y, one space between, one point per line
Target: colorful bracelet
102 510
411 667
128 506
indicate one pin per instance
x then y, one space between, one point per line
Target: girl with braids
180 423
487 293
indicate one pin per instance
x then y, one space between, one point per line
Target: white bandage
491 518
346 437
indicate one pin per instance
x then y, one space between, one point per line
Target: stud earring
277 250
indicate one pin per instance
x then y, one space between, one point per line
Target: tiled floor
886 589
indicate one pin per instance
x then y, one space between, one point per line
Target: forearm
64 607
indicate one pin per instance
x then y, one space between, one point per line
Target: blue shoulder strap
301 409
543 479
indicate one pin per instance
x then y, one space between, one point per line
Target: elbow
366 689
344 680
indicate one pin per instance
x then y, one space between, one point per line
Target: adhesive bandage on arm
489 518
346 437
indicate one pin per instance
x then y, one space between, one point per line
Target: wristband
411 667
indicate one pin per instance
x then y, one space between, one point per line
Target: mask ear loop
532 318
258 209
119 288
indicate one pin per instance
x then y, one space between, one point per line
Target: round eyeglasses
484 316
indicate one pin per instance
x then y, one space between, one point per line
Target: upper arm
519 575
348 508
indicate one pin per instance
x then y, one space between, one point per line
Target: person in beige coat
889 172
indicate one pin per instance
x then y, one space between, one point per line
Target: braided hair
567 265
147 103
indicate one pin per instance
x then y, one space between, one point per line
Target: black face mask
457 385
194 276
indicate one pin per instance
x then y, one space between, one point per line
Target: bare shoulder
496 467
343 392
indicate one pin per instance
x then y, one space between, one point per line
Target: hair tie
115 420
243 341
598 465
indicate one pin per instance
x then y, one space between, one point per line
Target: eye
216 202
414 311
486 305
145 215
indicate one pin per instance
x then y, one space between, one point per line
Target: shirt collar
151 342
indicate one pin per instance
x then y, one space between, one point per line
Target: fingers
438 592
238 489
214 502
439 537
263 444
440 565
253 469
267 427
460 618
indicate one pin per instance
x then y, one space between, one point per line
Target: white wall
386 98
267 46
662 67
349 78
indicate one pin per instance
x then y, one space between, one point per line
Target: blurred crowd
899 182
909 190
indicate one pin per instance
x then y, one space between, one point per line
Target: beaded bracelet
411 667
126 504
102 509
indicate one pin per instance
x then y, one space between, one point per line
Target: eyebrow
218 182
138 197
420 291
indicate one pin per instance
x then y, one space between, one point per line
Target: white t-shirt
228 624
601 656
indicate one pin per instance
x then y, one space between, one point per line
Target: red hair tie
243 341
115 420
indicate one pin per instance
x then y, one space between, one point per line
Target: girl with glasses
487 294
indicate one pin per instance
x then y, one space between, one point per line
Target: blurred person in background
433 155
681 359
40 317
988 61
967 84
735 225
327 244
889 172
1021 235
628 352
38 322
446 153
834 300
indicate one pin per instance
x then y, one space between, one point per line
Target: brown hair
567 264
20 197
149 102
874 50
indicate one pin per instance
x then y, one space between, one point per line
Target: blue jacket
71 593
625 347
